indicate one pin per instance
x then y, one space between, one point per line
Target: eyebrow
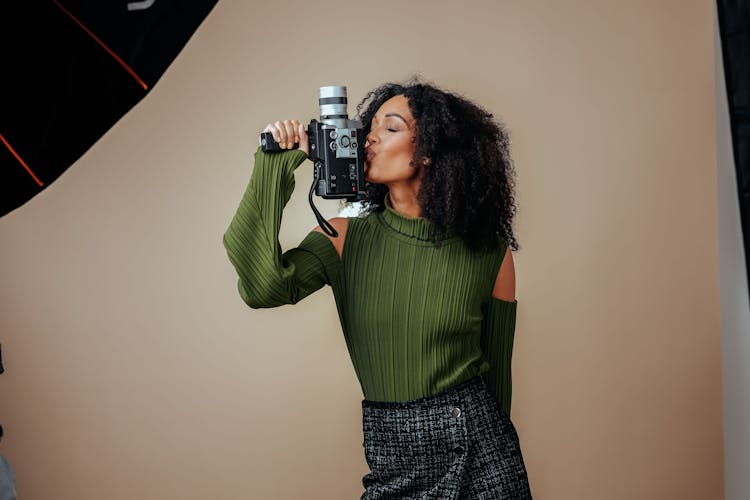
394 114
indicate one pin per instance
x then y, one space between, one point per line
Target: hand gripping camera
337 149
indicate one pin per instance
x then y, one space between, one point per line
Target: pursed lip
369 154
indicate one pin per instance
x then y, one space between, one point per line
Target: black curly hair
468 187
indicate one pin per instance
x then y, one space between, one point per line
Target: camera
337 148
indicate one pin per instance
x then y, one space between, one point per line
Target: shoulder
505 282
341 224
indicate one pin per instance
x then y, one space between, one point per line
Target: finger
271 128
274 130
281 133
268 128
295 127
304 142
290 132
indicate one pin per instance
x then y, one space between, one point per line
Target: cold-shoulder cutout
505 283
341 224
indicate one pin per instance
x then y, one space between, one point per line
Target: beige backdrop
134 370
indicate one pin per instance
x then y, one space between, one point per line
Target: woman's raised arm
268 277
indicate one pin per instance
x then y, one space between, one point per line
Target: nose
371 138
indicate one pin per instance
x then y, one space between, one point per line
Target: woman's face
391 143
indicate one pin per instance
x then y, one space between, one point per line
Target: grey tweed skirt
457 444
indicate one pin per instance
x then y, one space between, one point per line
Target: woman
423 282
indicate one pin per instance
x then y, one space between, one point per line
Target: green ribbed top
416 319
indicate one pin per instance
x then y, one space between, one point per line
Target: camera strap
324 224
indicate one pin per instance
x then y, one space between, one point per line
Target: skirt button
456 412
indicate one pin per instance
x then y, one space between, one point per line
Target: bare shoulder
505 283
341 224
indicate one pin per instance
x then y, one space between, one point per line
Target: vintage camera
337 149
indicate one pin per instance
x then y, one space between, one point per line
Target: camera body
337 148
338 155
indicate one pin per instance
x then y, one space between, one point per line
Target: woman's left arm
498 332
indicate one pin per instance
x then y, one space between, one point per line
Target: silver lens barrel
332 101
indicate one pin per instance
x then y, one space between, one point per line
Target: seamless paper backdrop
134 370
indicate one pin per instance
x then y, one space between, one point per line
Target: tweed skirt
457 444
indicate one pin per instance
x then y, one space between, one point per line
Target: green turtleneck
416 319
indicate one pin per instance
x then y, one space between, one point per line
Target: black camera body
338 155
337 148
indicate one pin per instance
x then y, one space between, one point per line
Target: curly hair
467 189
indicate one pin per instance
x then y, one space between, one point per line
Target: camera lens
332 101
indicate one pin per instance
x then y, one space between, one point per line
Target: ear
426 161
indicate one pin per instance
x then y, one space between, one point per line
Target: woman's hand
287 132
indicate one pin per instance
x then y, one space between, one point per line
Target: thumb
304 140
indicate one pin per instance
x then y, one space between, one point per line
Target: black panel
61 90
734 31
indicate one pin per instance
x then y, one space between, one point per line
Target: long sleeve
498 331
268 278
